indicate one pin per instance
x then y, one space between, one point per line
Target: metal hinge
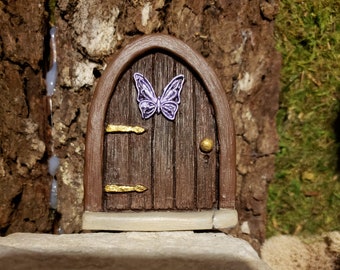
123 128
122 189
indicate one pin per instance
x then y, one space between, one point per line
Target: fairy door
162 154
166 158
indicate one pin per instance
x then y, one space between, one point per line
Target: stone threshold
155 221
128 250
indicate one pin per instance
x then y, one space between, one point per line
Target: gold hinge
122 128
120 189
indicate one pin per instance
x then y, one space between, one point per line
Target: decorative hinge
122 189
123 128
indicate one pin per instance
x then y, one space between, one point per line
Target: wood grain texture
141 145
163 144
207 174
106 88
185 149
117 148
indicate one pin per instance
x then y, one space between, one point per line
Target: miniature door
160 143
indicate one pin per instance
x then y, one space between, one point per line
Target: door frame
93 174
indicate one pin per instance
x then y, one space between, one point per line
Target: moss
304 197
51 11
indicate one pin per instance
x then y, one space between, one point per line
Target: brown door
167 158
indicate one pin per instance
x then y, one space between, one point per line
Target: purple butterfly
167 103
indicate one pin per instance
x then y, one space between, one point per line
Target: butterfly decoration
167 103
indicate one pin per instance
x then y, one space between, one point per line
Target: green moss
51 11
305 194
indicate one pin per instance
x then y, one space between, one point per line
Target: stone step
128 250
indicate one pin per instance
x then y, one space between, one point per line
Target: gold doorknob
206 145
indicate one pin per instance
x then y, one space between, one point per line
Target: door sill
160 221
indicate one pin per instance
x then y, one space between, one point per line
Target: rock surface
287 252
132 250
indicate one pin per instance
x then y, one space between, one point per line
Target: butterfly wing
170 98
146 97
169 109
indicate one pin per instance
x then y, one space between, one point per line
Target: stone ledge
129 250
159 221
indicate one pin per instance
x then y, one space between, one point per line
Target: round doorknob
206 145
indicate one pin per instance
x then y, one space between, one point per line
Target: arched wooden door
166 158
188 185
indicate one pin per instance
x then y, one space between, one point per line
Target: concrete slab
128 250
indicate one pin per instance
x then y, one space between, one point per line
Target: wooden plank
163 146
160 221
116 149
206 162
185 144
140 163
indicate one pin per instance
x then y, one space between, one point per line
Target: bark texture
24 183
235 37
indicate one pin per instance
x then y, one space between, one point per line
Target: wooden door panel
166 158
140 145
117 147
207 178
163 144
185 152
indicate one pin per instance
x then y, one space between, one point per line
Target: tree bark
23 135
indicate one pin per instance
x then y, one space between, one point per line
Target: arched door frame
105 89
